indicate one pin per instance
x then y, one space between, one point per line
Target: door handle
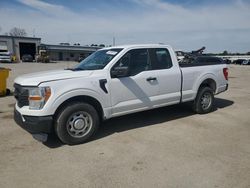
151 79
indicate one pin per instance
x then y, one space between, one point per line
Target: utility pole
34 31
113 40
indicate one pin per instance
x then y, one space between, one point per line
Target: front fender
78 92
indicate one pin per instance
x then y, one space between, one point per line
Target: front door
138 89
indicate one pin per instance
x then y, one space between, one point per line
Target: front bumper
34 124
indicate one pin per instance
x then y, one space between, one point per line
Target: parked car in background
227 61
246 62
27 58
5 56
81 57
238 61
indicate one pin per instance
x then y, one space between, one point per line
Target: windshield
97 60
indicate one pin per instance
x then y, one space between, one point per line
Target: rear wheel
204 101
76 123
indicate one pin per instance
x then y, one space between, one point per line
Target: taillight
225 72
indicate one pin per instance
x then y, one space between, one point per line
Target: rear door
168 77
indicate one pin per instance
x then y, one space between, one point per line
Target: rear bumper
226 87
222 89
34 124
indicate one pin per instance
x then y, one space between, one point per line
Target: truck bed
194 73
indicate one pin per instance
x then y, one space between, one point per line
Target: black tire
204 101
76 123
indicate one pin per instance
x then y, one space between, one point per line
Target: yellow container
4 74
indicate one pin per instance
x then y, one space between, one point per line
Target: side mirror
118 72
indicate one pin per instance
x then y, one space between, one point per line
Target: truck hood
34 79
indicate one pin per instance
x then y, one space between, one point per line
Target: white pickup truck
113 82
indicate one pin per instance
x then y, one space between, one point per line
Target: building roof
70 48
7 36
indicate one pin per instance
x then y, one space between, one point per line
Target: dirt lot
166 147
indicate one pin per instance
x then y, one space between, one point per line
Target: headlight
38 96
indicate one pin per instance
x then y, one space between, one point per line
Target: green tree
225 52
18 32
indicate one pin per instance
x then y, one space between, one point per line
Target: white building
67 52
19 46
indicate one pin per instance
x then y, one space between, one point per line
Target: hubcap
79 124
206 101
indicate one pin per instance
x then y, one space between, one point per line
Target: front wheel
204 101
76 123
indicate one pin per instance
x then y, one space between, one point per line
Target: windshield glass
97 60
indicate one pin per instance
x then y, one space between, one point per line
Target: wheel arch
208 82
82 98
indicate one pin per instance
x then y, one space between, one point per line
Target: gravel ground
166 147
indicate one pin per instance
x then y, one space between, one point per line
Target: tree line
15 31
226 53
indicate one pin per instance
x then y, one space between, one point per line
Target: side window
124 61
161 58
137 60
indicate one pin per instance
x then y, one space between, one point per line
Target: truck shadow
141 119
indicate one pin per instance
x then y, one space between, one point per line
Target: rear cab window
160 58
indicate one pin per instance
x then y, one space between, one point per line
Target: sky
184 24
